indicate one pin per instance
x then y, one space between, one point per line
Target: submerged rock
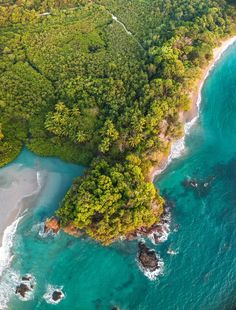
147 257
190 183
52 224
57 295
22 289
200 186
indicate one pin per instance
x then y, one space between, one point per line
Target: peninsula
106 83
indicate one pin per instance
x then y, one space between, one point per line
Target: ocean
199 255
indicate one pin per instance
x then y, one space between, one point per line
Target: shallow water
203 273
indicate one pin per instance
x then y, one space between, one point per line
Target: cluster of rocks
26 285
53 225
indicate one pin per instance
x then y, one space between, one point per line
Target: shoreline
18 193
189 117
19 187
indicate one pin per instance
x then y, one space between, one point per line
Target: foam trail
7 243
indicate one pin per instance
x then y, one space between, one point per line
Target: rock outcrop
26 285
52 224
22 289
147 258
57 295
73 231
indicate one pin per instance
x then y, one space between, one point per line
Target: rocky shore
158 232
174 148
52 225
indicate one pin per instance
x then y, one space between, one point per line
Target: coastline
189 117
19 188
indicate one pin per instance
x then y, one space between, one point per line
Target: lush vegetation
76 83
114 200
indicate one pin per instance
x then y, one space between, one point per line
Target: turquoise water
201 276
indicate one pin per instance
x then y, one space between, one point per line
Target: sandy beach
196 94
18 187
189 117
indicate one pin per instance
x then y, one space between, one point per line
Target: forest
102 83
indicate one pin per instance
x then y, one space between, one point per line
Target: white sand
17 184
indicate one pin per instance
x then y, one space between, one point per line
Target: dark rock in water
147 257
190 183
22 289
26 278
57 295
52 224
114 308
201 187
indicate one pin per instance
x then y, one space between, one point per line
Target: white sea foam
9 278
48 295
7 243
9 232
162 231
162 235
39 228
172 252
8 287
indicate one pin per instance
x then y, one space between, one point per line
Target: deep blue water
201 276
